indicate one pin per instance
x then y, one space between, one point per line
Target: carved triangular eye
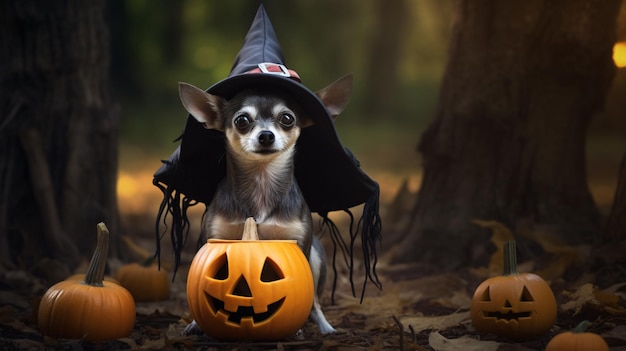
485 297
526 295
222 270
242 288
271 272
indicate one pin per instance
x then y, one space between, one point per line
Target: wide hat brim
328 174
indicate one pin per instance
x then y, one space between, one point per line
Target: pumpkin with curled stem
89 309
250 289
578 339
515 305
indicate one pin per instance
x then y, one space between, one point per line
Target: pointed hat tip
260 45
261 10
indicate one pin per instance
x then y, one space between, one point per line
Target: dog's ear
204 107
336 95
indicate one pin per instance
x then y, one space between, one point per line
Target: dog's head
260 122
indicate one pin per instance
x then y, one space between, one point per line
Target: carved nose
266 138
242 288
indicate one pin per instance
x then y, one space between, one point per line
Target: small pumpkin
515 305
146 281
89 309
578 340
250 288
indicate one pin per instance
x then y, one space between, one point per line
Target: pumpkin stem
249 230
510 258
95 271
581 327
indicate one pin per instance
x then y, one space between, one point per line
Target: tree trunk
508 141
58 131
616 224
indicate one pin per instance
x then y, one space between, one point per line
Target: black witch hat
328 174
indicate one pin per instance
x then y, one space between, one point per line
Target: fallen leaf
563 255
578 298
589 296
607 299
617 289
500 234
439 322
464 343
563 260
458 300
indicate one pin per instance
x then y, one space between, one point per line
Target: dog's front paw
193 329
326 328
322 324
317 316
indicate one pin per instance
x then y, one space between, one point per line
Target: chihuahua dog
262 126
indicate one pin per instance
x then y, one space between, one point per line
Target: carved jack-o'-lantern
250 288
515 305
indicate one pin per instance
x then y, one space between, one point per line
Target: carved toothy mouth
245 311
508 316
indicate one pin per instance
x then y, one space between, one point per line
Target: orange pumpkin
250 288
516 305
578 340
146 282
93 309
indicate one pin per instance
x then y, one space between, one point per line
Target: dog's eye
287 120
242 122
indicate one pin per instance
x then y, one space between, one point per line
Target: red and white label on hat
275 69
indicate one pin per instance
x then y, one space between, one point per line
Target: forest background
399 52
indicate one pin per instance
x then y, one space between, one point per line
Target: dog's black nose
266 138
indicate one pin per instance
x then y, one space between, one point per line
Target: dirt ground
419 308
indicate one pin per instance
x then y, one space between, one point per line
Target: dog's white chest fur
268 185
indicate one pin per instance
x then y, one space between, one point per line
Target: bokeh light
619 54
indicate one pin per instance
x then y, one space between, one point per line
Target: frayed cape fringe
175 204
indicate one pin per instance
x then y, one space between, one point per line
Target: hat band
275 69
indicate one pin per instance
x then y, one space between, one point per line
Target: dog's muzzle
266 138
